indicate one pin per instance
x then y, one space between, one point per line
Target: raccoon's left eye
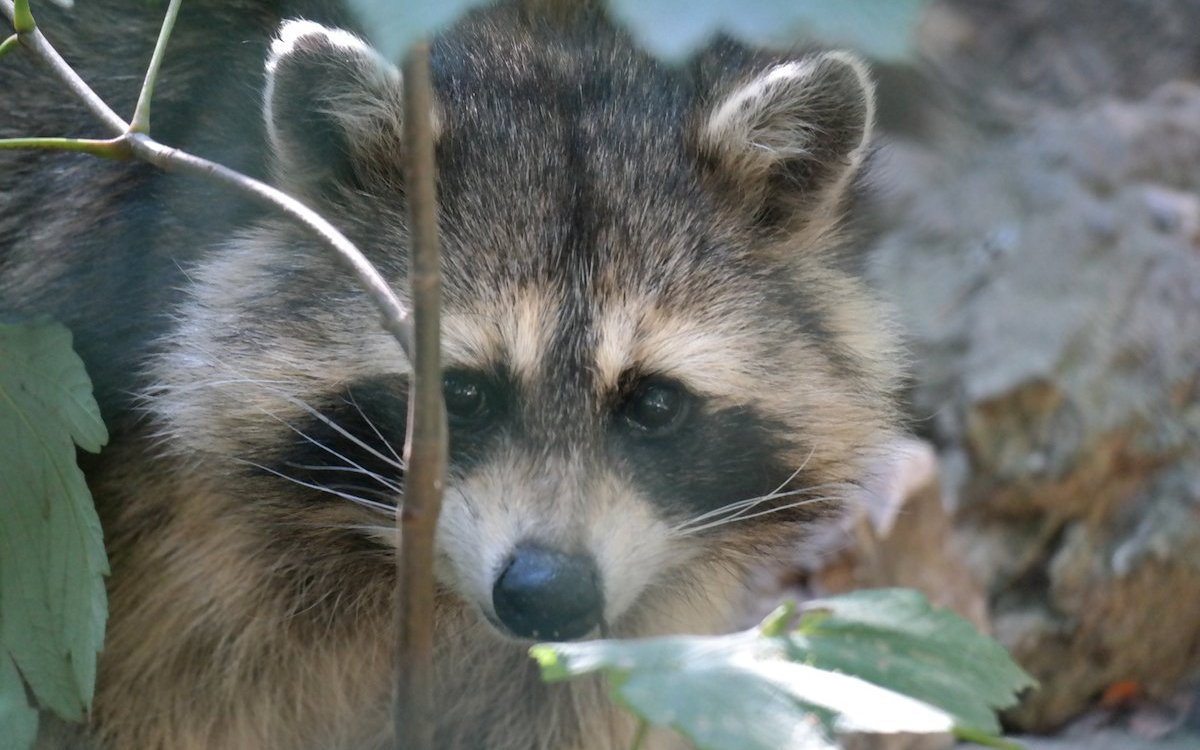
656 407
467 395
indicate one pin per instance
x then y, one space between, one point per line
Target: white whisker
338 428
744 505
776 509
372 504
353 402
393 486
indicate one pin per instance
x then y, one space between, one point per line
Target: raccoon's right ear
788 140
332 105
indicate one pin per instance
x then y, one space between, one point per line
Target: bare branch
113 148
141 113
395 316
425 449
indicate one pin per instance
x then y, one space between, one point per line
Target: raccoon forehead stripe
515 331
700 354
525 330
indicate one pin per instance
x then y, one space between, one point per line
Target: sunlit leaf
871 662
895 638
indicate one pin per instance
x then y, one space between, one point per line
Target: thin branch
425 448
33 40
8 45
113 148
394 314
141 113
395 317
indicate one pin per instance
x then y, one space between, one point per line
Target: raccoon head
657 370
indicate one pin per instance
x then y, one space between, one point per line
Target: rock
1050 280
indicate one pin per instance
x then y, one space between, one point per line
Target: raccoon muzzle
546 594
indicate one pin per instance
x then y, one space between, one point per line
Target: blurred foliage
672 29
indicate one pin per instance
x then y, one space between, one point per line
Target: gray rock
1050 281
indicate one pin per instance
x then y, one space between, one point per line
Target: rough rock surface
1003 61
1050 280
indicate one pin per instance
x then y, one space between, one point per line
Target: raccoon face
655 369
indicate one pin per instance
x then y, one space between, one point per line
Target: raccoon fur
659 370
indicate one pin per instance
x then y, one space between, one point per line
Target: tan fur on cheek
632 546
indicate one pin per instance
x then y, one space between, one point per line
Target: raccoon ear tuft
790 140
330 103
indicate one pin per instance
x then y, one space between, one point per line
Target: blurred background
1035 218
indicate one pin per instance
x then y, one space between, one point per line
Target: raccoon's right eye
656 407
468 396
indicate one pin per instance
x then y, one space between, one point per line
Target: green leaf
52 601
672 29
873 662
895 638
738 692
18 719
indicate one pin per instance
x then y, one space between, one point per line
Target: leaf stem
36 43
776 623
8 45
22 18
113 148
985 739
141 113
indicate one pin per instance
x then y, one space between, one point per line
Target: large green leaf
52 562
18 719
762 689
895 638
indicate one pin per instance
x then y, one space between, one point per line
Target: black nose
546 594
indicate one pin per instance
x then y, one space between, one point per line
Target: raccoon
660 371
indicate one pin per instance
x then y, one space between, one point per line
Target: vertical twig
425 448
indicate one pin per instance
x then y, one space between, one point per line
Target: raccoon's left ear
789 140
333 109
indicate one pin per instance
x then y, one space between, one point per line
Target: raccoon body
658 374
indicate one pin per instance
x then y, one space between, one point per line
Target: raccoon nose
547 594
